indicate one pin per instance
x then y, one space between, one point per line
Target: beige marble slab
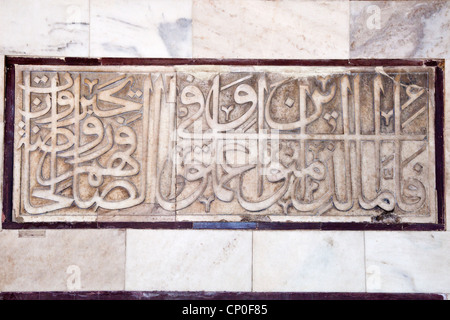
270 29
135 28
399 29
215 143
62 260
308 261
48 28
407 261
188 260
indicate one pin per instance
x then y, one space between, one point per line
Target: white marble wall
270 29
399 29
188 260
218 260
62 260
135 28
46 28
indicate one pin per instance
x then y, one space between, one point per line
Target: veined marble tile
48 28
270 29
325 261
407 261
135 28
188 260
399 29
62 260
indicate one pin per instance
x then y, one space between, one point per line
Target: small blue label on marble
224 225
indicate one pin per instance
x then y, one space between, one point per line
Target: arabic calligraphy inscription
168 144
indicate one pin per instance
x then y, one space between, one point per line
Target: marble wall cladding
188 260
270 29
62 260
218 260
407 261
308 261
48 28
134 28
399 29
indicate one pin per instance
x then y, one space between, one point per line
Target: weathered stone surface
255 29
399 29
189 260
407 261
54 28
62 260
118 30
208 143
312 261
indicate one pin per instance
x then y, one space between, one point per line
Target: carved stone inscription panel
209 143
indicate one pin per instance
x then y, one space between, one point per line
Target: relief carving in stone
209 144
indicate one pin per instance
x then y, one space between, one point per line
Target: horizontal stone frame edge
204 295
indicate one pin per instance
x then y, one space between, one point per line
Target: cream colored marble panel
407 261
124 28
308 261
47 28
188 260
62 260
270 29
399 29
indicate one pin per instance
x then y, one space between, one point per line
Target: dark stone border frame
8 223
230 296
